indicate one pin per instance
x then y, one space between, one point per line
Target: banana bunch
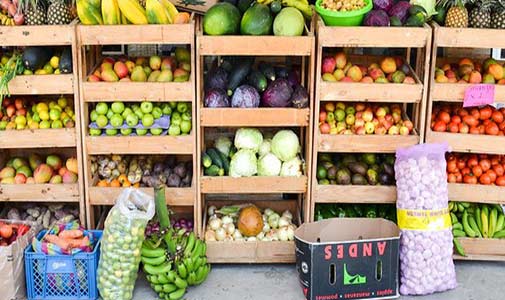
160 11
170 274
6 20
476 221
89 12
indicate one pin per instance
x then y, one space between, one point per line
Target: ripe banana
156 12
493 219
110 12
133 11
484 215
171 9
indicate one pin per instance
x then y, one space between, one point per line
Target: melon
289 22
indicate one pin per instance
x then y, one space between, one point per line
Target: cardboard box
348 258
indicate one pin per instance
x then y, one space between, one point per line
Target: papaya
257 20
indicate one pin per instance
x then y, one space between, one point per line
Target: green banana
162 278
155 261
474 226
457 226
206 270
171 276
180 283
177 294
153 279
478 219
197 263
454 219
461 208
466 227
147 252
169 287
189 263
182 271
500 224
465 204
500 234
451 206
484 215
190 244
158 288
197 249
459 247
155 270
458 233
493 219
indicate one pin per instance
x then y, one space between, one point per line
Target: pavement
476 281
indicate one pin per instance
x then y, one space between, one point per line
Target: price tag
479 94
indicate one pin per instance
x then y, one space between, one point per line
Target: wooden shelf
183 144
364 143
44 35
482 249
455 92
39 192
174 196
38 138
376 92
477 193
468 37
250 252
354 194
41 84
137 91
255 184
474 143
237 117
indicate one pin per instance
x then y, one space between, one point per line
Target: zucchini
216 158
206 160
212 171
258 81
226 163
267 70
239 74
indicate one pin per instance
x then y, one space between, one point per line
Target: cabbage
285 145
243 164
269 165
223 144
292 167
265 147
248 138
428 5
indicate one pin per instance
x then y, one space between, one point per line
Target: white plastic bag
121 242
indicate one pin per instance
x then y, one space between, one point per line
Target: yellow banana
110 12
156 13
88 14
172 10
124 20
133 11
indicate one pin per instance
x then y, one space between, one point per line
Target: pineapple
480 15
59 13
498 15
35 12
457 14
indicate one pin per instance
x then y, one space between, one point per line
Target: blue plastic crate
62 277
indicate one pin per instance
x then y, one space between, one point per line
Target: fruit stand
62 140
91 39
452 92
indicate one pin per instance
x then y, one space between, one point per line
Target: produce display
26 113
400 13
237 82
476 169
139 12
30 12
34 169
467 70
253 154
363 118
68 241
389 69
174 68
476 14
247 223
44 215
356 169
10 232
140 171
478 120
146 118
327 211
264 17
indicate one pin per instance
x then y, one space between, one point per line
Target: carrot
62 243
71 234
78 243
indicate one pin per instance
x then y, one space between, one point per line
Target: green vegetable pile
327 211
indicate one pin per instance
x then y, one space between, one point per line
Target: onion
215 223
211 210
227 220
220 234
229 228
237 235
260 236
210 235
228 238
287 214
273 220
266 228
291 233
283 234
251 239
268 212
272 235
283 222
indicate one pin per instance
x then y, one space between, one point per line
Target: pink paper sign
479 94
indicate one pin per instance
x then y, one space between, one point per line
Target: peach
475 77
388 65
341 60
355 73
496 70
328 65
42 174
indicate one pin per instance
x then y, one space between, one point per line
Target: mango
56 179
141 61
138 74
19 162
42 174
71 165
109 75
7 180
496 70
398 77
168 63
155 62
355 73
340 60
181 75
35 160
19 178
54 161
7 172
165 76
182 54
25 170
120 69
69 177
388 65
153 77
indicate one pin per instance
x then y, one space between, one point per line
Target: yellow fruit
54 62
62 102
41 106
133 11
110 12
44 115
172 10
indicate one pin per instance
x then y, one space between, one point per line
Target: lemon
62 102
54 62
41 106
44 115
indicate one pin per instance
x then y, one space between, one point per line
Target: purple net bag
426 247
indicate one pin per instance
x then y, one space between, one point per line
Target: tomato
472 161
491 174
444 117
456 119
497 116
451 178
474 130
470 179
485 164
6 231
453 127
502 126
439 126
324 128
470 120
451 166
463 128
486 112
462 112
500 181
486 122
482 129
498 169
475 113
492 129
495 160
477 171
466 171
459 177
322 116
461 163
485 179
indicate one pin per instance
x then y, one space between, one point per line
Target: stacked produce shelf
61 141
279 193
91 39
411 97
455 39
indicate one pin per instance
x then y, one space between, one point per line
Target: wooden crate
478 193
372 194
482 249
253 252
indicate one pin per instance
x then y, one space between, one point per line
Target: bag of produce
426 249
121 242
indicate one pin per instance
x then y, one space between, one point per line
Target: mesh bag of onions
426 247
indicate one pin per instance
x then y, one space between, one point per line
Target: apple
139 113
117 107
157 112
186 116
146 107
126 112
167 110
141 132
350 119
176 118
397 117
102 108
111 132
116 120
174 130
56 124
380 112
369 127
367 116
360 106
404 130
339 114
93 115
185 126
132 120
156 131
126 131
360 130
102 121
109 114
147 120
381 130
350 110
95 132
408 124
359 122
394 130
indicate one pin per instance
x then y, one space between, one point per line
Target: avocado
348 158
343 176
358 168
388 169
369 158
327 164
358 179
324 157
372 177
65 65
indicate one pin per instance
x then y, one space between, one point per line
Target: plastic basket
62 277
348 18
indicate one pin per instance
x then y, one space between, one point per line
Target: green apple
157 112
126 131
132 120
117 107
110 113
146 107
36 117
45 124
126 112
141 132
186 116
182 107
102 121
139 113
135 107
147 120
156 131
176 118
102 108
95 132
56 124
93 115
173 105
174 130
54 114
3 124
185 126
116 120
167 110
111 132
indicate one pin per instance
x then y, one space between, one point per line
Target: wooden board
42 84
354 194
174 196
474 143
44 35
237 117
468 37
481 246
357 91
476 193
255 184
455 92
39 192
140 144
364 143
36 138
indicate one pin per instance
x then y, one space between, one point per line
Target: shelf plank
473 143
237 117
376 92
44 35
250 252
255 184
42 84
364 143
468 37
137 91
39 192
477 193
183 144
354 194
38 138
174 196
482 246
455 92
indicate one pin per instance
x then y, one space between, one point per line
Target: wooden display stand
213 121
90 40
66 141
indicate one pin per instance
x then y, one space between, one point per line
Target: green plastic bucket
348 18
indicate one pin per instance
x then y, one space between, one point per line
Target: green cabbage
269 165
248 138
285 145
244 163
292 167
265 147
223 144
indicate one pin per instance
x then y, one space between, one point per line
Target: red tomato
485 179
485 113
497 116
462 112
500 181
466 171
444 117
459 177
486 122
324 128
451 178
451 166
470 120
482 129
456 119
440 126
498 169
461 163
474 130
477 171
485 164
453 127
6 231
475 113
491 174
470 179
492 129
495 160
322 116
472 161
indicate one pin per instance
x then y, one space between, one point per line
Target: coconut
250 221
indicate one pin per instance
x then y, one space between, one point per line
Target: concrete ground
477 281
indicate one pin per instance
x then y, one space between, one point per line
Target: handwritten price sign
479 94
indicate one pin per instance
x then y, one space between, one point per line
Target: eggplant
36 57
65 64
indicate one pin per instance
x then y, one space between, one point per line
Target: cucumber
206 160
212 171
226 163
216 158
267 70
258 80
233 150
238 74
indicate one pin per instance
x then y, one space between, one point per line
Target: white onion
229 228
272 235
283 234
260 235
220 234
266 227
237 235
227 220
251 239
283 222
287 214
211 210
273 220
268 212
291 233
215 223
